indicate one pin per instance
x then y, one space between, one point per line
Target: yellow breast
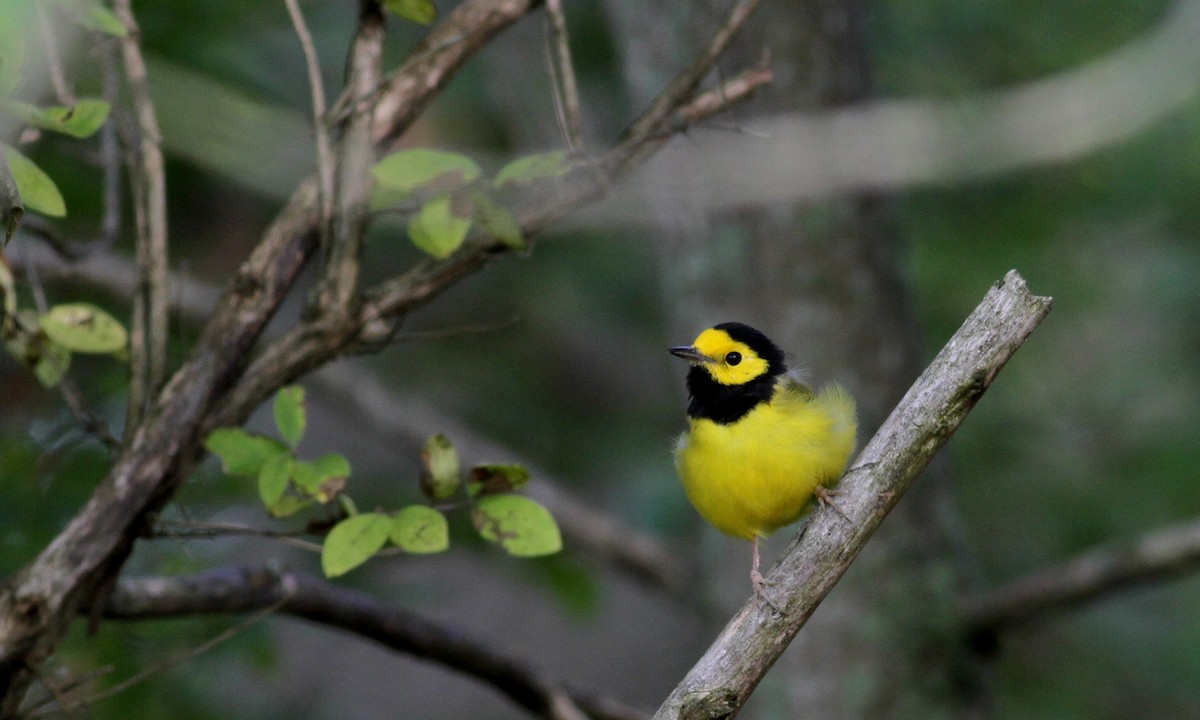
754 475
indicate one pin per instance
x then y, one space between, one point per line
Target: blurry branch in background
932 409
248 590
905 142
1096 574
148 328
562 79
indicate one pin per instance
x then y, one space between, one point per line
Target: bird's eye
733 358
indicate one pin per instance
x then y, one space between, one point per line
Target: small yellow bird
760 443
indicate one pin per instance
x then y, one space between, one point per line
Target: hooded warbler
760 443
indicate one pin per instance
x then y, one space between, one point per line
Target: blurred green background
1091 434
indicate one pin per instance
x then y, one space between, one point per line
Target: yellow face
730 362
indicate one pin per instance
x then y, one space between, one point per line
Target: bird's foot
825 499
760 590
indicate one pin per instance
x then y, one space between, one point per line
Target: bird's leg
825 498
757 580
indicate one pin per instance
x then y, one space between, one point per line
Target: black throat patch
725 404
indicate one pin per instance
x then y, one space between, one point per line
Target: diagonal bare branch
721 681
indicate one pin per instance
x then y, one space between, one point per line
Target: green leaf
80 120
496 220
421 12
323 478
48 360
440 478
242 453
38 191
413 169
353 541
521 526
53 362
437 229
273 479
420 529
84 328
290 416
496 479
532 167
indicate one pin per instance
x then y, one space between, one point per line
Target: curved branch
926 417
1154 556
244 590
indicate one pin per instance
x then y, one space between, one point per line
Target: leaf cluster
288 485
22 183
451 195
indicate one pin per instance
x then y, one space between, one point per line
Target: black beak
689 353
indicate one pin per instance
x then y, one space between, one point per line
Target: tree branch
562 78
1154 556
38 602
719 684
245 590
148 352
343 239
312 65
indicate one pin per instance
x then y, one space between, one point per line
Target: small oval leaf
419 529
273 479
315 477
436 229
412 169
353 541
242 453
85 328
532 167
38 191
290 416
520 525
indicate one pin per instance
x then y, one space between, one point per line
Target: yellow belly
755 475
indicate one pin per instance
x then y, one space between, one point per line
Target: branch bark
1151 557
148 351
245 590
215 386
720 683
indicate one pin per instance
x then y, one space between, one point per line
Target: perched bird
760 443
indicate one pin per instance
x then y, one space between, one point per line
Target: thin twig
1106 570
240 590
342 240
192 530
562 76
148 176
80 409
174 660
657 117
325 160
